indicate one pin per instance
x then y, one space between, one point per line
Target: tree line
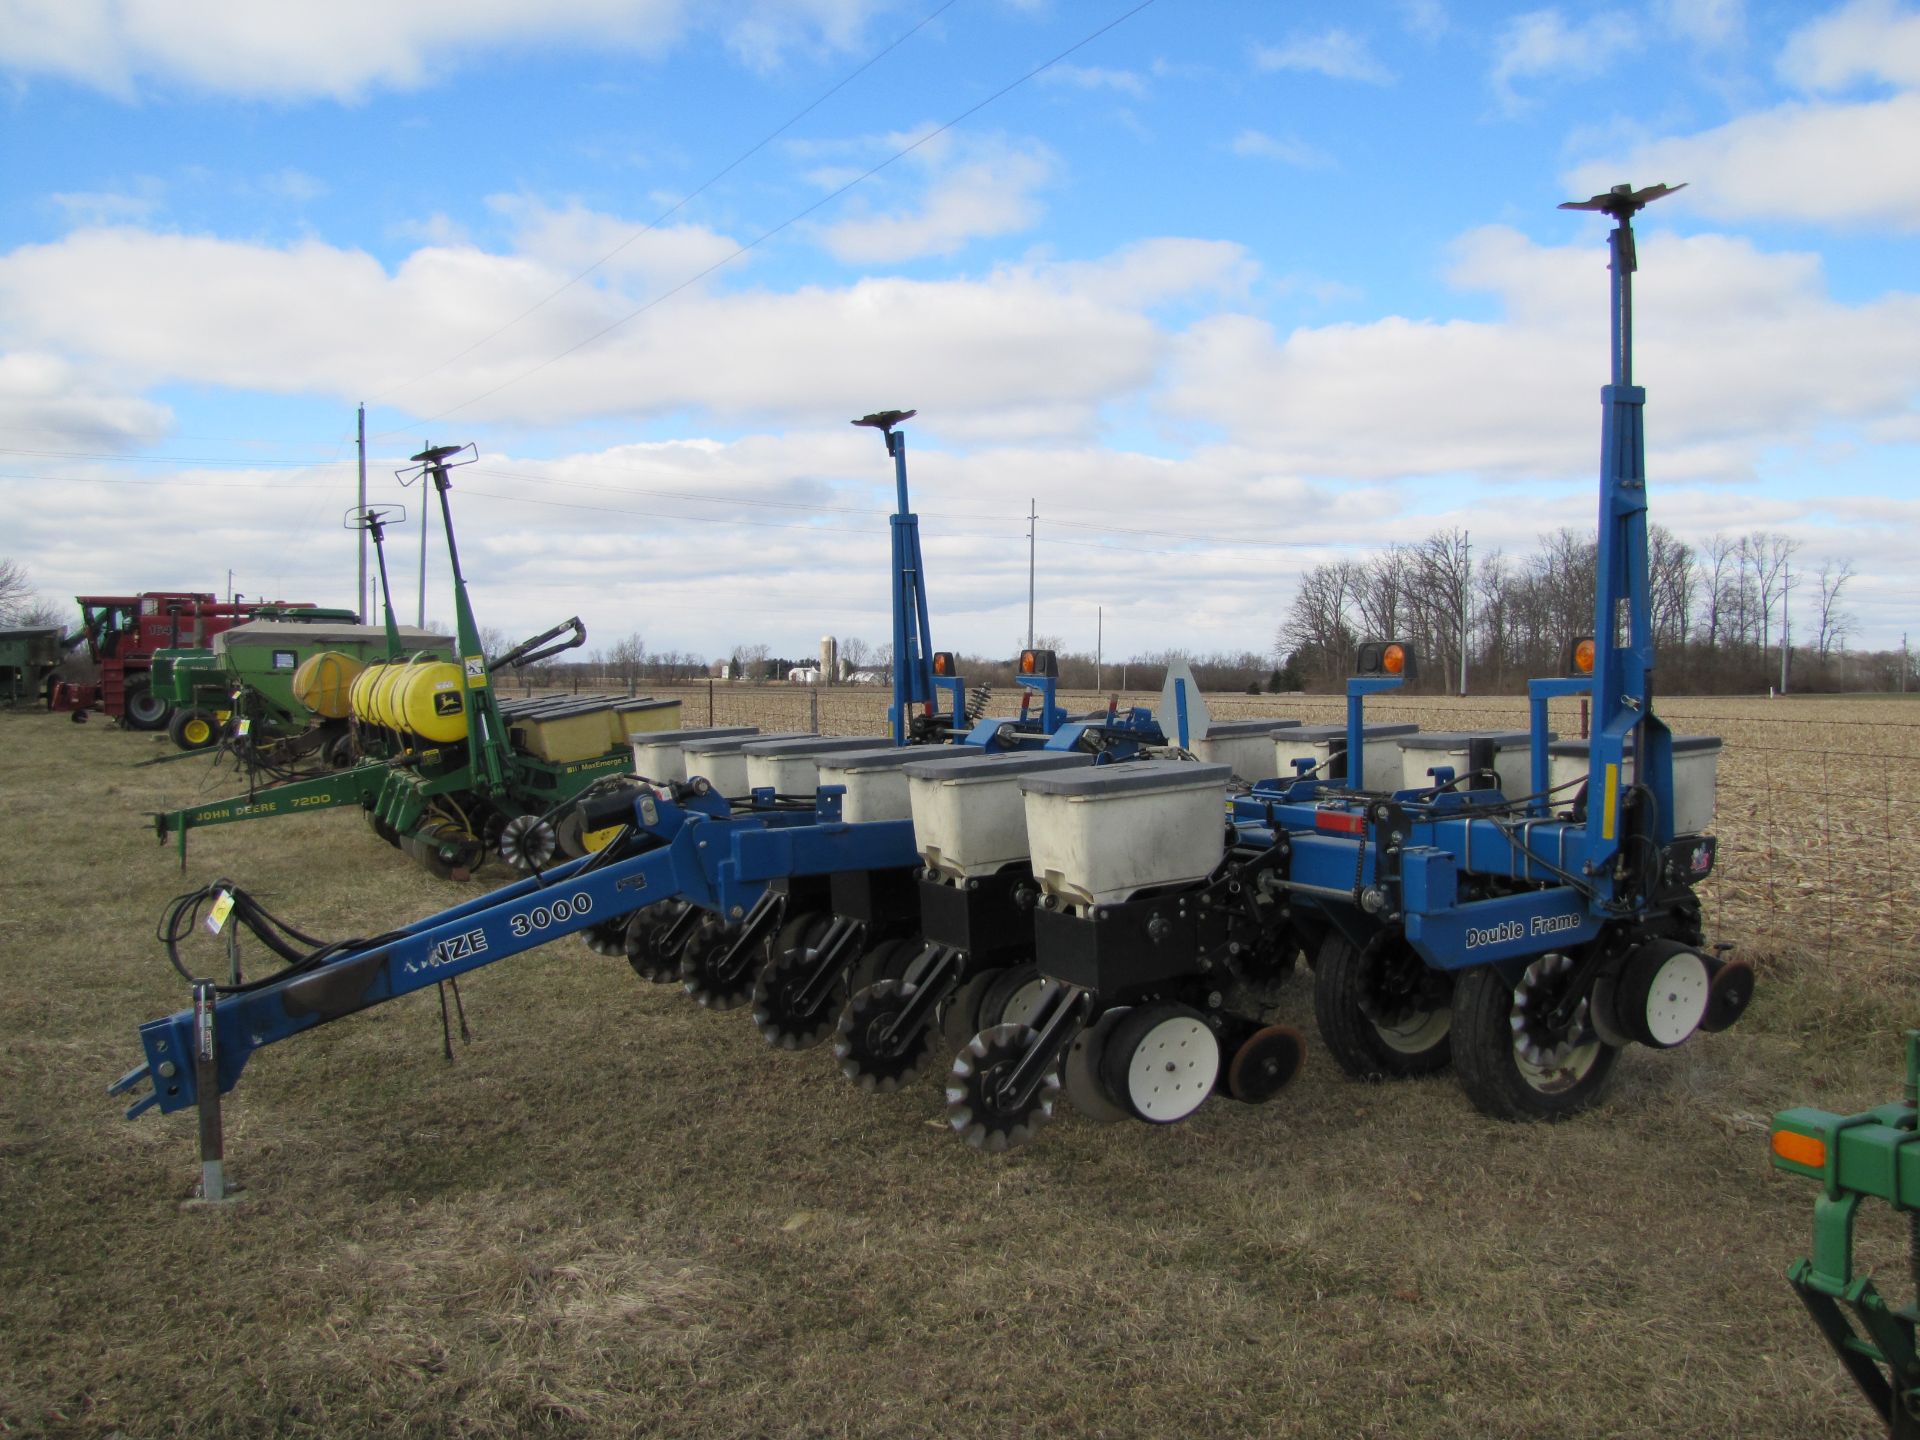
1724 614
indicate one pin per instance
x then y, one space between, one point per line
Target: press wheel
1080 1072
1161 1062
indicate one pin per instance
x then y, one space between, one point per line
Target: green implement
1872 1155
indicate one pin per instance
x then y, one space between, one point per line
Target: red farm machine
122 634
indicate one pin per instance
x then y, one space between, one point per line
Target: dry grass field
615 1214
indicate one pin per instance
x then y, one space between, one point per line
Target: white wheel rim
1677 999
1172 1069
1418 1034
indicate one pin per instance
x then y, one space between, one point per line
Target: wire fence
1816 798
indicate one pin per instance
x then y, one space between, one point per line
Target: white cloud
1337 54
1710 24
111 207
47 403
345 48
1425 19
976 187
1741 350
1831 164
1868 40
1543 43
1029 350
1093 77
295 185
1287 149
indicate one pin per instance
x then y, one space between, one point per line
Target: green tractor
449 772
253 675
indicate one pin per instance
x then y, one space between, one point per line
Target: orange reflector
1798 1149
1346 822
1583 657
1393 659
1028 662
943 662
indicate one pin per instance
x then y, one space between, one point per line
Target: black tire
193 730
145 710
1499 1082
1349 987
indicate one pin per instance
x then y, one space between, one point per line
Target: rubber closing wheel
1265 1064
1012 997
1080 1072
977 1110
1727 999
1161 1062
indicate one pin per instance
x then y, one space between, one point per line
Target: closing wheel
960 1019
146 710
1382 1011
646 928
891 960
1013 997
1515 1060
977 1109
192 729
705 948
1080 1071
783 1018
866 1055
1727 998
1265 1064
1161 1062
527 843
569 833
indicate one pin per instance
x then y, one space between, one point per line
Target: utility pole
360 595
1099 638
1033 519
1905 662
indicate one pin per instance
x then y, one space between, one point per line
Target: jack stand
214 1191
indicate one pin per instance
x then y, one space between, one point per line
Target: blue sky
1227 291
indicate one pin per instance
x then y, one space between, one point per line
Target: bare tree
1318 631
1835 624
16 590
626 658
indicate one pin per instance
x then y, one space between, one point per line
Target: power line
686 199
784 225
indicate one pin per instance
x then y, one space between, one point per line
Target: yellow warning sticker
222 907
1609 810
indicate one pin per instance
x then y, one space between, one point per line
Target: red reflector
1347 822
